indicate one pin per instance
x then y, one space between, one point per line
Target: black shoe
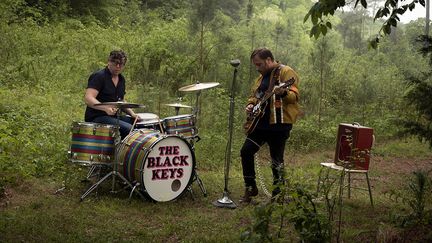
250 191
275 194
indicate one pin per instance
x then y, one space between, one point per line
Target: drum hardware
200 184
114 173
225 201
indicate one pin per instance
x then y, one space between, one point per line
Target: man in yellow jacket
276 94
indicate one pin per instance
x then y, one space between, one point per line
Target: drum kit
156 159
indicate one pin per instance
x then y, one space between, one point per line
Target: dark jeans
125 123
276 141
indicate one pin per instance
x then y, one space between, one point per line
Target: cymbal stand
114 173
225 201
196 111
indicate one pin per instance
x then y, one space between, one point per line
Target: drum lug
72 155
94 130
91 158
100 157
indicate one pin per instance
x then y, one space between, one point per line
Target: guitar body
253 118
258 110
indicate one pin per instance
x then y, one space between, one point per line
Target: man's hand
249 108
280 91
111 111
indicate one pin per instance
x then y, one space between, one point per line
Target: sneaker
250 191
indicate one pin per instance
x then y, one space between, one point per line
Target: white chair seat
334 166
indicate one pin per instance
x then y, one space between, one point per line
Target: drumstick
160 126
133 125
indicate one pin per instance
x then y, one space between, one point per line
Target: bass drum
163 165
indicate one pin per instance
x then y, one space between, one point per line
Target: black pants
276 141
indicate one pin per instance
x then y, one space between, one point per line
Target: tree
319 12
203 13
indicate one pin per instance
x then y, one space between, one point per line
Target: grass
35 211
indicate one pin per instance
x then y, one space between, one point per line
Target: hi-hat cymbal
121 104
198 86
178 105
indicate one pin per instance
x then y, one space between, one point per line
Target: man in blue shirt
108 85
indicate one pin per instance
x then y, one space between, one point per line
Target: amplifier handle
356 124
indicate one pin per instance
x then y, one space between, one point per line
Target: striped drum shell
92 143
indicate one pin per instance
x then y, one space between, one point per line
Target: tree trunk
427 17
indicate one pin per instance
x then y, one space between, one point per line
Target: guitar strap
274 80
277 102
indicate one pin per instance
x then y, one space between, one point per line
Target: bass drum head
168 168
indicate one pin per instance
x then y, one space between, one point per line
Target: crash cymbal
178 105
198 86
121 104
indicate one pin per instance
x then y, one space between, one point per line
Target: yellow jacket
289 102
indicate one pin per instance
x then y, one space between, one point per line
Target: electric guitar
258 110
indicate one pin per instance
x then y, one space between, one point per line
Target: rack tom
182 125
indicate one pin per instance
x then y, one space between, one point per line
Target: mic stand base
225 202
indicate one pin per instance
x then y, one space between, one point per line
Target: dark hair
118 55
262 53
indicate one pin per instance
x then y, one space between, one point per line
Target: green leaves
324 8
319 29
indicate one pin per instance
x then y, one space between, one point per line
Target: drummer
108 85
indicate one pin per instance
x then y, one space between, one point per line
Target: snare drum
148 116
163 165
183 125
92 143
154 124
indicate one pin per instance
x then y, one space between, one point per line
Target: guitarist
276 118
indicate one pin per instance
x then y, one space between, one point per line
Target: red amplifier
353 146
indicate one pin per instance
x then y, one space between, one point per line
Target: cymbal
198 86
178 105
121 104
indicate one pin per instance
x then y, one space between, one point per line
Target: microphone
235 62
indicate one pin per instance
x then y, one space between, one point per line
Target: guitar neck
269 94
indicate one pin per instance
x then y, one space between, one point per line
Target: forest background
49 48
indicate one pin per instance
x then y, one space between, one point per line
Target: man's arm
91 101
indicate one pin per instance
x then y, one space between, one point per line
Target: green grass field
37 211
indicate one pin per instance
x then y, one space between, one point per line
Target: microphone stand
225 201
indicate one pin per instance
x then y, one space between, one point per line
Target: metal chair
352 156
346 171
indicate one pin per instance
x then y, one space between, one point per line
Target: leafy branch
322 9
